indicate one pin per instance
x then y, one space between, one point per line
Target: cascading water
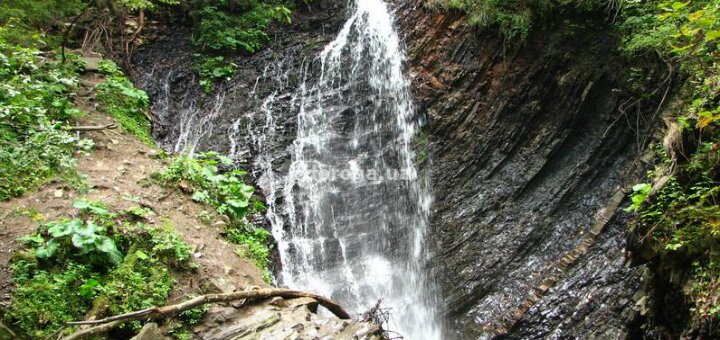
350 210
356 209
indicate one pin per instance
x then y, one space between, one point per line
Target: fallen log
109 323
91 128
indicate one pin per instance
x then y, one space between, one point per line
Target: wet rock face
228 119
525 152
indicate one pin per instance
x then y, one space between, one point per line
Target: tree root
109 323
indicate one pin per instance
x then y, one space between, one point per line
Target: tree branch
106 324
91 128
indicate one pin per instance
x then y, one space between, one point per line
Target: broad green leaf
712 35
48 250
106 245
238 203
141 255
200 196
86 289
64 228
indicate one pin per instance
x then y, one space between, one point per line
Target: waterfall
355 207
349 209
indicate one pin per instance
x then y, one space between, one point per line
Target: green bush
127 104
45 299
35 104
97 258
212 69
223 190
202 177
682 220
220 27
515 18
252 244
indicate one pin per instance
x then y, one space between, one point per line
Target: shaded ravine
525 157
348 209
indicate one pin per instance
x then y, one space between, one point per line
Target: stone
58 193
154 154
91 64
277 301
219 285
149 332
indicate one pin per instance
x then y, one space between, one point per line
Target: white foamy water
342 234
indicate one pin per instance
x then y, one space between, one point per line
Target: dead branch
107 324
68 29
91 128
129 43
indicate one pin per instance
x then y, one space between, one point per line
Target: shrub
98 258
220 27
127 104
203 178
35 105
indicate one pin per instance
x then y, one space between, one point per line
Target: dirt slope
115 171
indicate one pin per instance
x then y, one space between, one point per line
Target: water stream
351 210
357 208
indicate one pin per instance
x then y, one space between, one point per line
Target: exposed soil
115 171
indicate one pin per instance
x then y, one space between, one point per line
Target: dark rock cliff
526 153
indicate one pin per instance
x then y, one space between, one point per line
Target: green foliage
165 244
35 103
139 282
127 104
222 26
99 257
76 238
212 69
145 4
45 299
515 18
222 190
219 27
252 245
683 218
705 287
228 194
24 21
640 193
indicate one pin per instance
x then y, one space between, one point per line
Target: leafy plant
212 69
45 300
139 282
220 27
35 104
252 245
640 193
100 258
120 98
75 236
514 18
203 179
223 190
683 218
